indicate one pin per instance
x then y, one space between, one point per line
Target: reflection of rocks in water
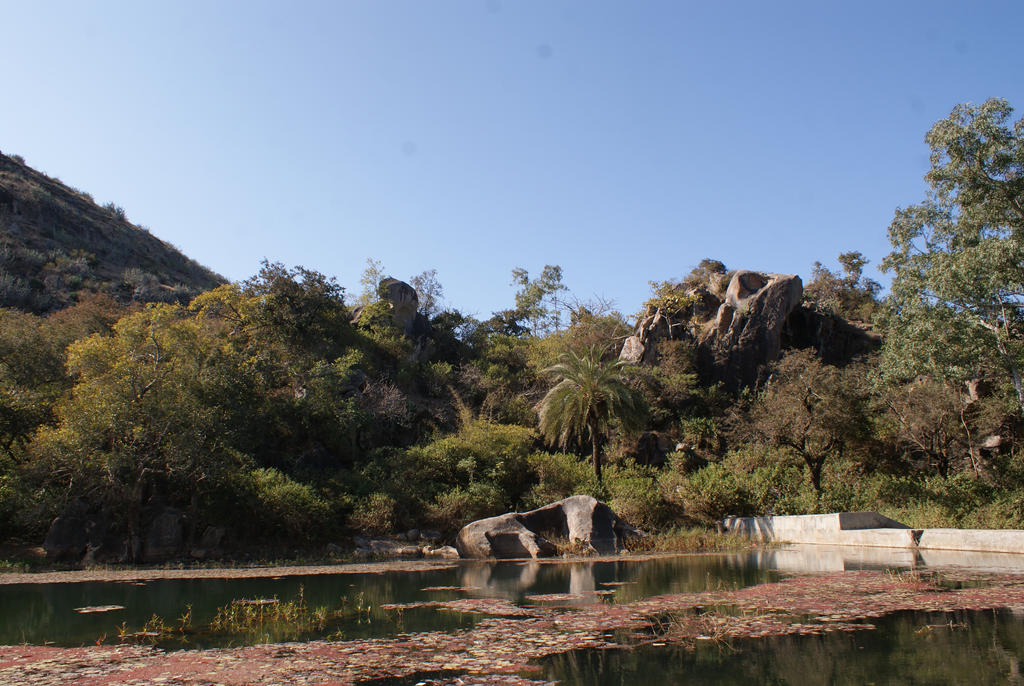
500 580
581 578
528 574
513 580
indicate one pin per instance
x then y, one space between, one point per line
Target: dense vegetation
269 408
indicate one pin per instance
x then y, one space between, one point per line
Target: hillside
56 244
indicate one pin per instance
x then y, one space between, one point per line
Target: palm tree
589 395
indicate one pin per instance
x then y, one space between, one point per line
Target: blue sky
624 141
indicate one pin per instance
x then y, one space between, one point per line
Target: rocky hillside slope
56 243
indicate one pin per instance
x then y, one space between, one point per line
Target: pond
46 613
799 615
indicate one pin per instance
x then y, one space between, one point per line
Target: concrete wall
873 530
981 540
839 528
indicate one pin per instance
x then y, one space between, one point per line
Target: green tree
290 329
591 393
850 294
537 299
32 371
154 411
816 410
372 275
958 288
429 292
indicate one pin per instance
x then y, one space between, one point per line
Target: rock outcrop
165 536
748 327
74 533
403 304
641 346
579 520
740 323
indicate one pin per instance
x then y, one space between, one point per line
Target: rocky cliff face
741 327
746 335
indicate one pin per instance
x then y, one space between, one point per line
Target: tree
32 371
814 409
955 307
290 329
301 307
429 292
591 393
537 299
372 275
937 423
154 411
850 294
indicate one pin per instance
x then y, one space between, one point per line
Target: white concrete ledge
872 530
837 528
980 540
881 538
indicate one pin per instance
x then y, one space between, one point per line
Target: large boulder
748 329
74 532
403 301
651 329
579 520
165 536
403 306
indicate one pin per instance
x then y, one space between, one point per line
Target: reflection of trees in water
809 662
507 580
959 647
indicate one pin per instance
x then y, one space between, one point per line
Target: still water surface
905 648
38 613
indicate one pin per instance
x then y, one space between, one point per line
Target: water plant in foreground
270 616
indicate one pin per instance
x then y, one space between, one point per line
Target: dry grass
688 541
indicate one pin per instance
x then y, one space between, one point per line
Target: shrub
481 451
634 494
116 210
375 514
285 507
437 377
454 509
709 494
560 476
